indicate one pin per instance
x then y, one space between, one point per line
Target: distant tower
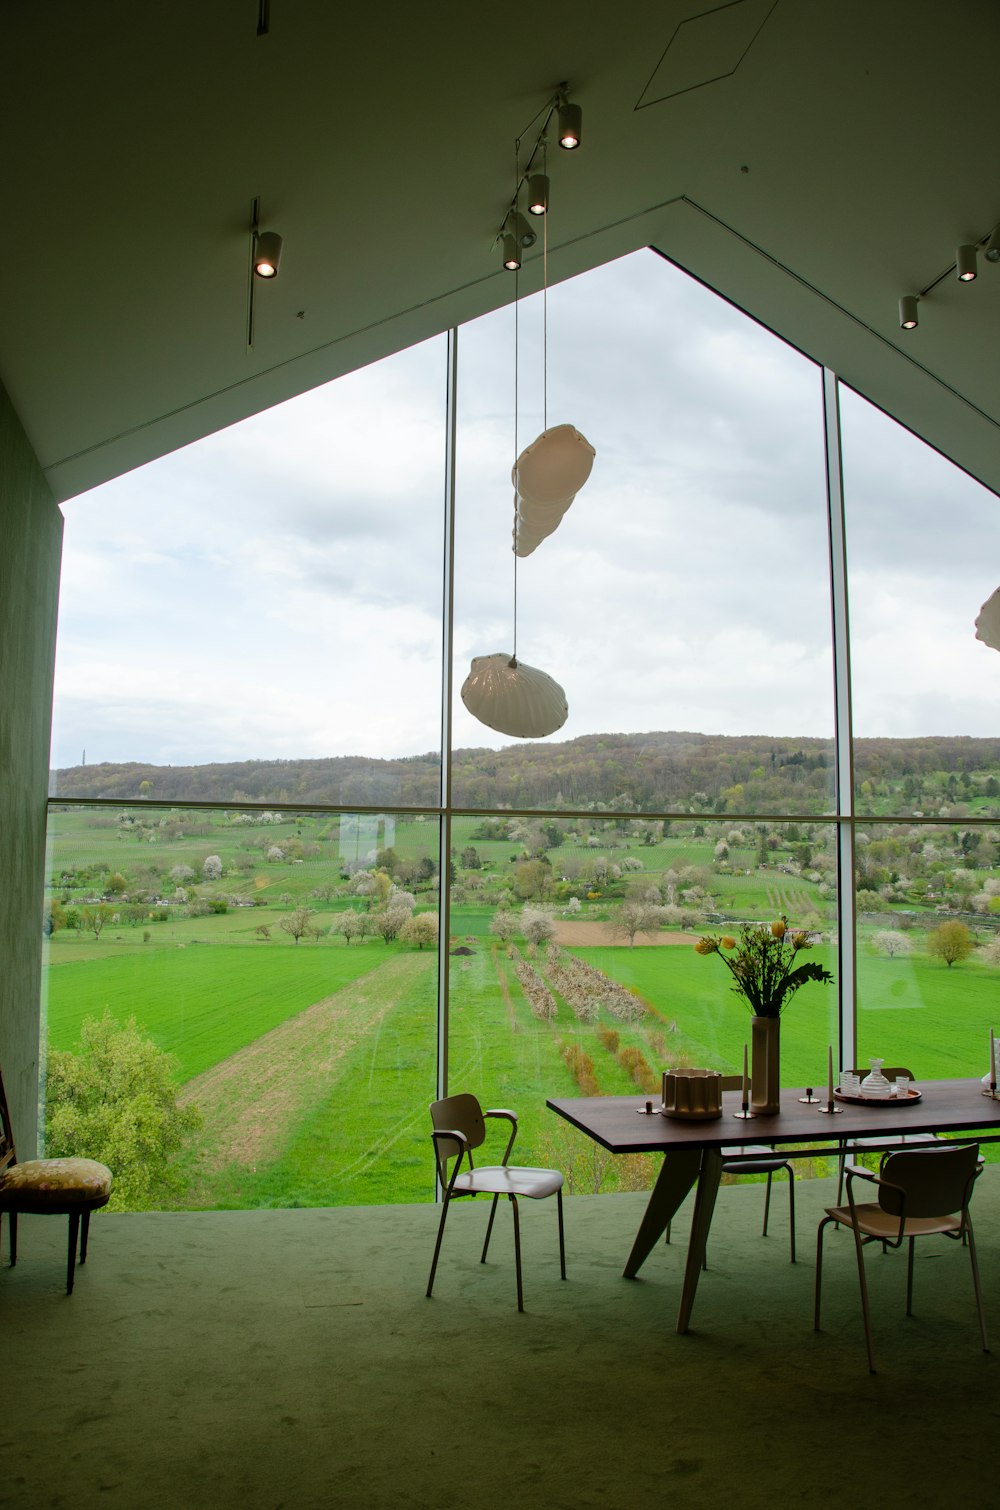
83 758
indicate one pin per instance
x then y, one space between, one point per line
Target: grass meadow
315 1062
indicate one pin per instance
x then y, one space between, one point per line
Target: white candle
829 1073
746 1078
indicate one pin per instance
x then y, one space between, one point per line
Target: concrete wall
30 549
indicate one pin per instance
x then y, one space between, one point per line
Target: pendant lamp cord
545 301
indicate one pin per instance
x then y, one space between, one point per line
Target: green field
202 1003
232 997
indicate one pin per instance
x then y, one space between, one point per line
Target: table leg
704 1205
679 1172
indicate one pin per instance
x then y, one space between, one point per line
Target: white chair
921 1193
459 1128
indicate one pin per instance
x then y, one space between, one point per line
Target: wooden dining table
693 1150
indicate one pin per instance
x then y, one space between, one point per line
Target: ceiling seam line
841 309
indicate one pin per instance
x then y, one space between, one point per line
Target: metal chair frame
950 1173
495 1180
878 1145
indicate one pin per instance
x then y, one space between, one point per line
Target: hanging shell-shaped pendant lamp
547 476
988 622
506 695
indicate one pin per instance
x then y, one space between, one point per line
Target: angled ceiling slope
812 163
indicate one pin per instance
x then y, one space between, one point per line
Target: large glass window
920 539
273 592
247 820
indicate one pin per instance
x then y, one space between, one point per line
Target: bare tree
389 921
891 942
420 929
503 925
93 919
537 927
351 924
635 917
298 923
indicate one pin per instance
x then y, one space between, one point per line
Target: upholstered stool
50 1187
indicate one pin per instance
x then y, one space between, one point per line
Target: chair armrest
855 1172
511 1117
450 1132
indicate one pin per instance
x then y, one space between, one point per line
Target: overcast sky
275 590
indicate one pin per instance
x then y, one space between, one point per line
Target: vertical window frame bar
843 722
447 679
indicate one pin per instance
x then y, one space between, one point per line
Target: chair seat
508 1179
874 1222
54 1185
754 1158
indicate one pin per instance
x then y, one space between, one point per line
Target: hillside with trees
654 772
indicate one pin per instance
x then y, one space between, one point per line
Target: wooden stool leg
84 1234
74 1232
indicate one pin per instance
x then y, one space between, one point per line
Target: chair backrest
7 1154
463 1114
937 1181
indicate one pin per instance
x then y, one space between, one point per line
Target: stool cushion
54 1185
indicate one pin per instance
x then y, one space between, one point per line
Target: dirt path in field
248 1100
592 934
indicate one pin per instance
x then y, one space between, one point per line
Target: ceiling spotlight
267 254
524 232
538 195
965 261
570 124
511 255
993 246
908 312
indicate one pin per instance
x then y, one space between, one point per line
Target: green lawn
202 1002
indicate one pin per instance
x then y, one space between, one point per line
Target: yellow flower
800 940
727 942
778 929
706 946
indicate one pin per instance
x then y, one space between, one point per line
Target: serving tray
910 1097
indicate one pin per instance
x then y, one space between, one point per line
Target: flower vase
765 1065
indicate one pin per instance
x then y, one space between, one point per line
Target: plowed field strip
251 1100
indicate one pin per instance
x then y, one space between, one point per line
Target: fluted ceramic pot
765 1065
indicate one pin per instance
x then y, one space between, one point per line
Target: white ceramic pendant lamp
506 695
547 476
988 622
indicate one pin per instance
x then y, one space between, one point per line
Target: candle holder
744 1114
829 1110
809 1099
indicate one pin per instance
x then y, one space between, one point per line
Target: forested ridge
666 771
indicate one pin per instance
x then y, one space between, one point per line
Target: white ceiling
810 159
